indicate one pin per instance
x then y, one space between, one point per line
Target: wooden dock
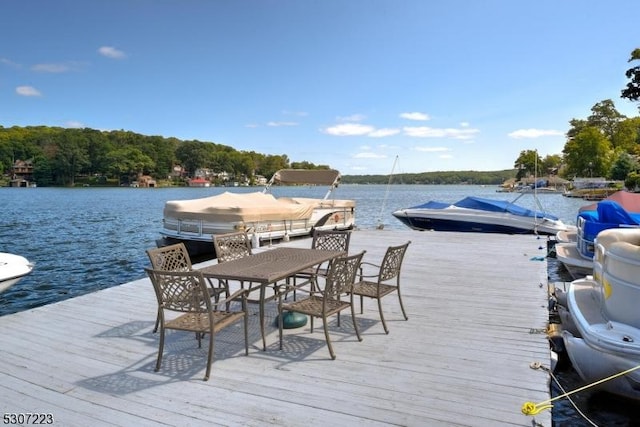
477 306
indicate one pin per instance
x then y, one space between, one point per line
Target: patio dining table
268 268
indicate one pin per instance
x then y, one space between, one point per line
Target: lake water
86 239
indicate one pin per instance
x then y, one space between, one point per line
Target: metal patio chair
377 286
232 246
184 304
328 240
176 258
336 296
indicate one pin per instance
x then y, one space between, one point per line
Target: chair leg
160 349
246 329
361 304
404 313
355 324
155 328
210 357
327 338
384 324
280 322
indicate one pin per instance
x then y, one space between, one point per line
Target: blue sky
442 84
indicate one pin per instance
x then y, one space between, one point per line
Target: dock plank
476 306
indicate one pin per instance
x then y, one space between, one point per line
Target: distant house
177 172
199 182
22 174
146 181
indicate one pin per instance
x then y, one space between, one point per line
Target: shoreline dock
477 306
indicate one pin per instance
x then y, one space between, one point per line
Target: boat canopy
306 176
239 207
489 205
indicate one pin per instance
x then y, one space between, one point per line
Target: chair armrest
368 266
240 293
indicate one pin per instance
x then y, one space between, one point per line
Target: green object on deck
291 320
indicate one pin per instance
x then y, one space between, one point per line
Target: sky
364 86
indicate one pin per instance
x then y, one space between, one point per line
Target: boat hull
12 269
577 266
468 220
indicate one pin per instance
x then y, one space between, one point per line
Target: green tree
623 164
551 164
528 163
192 155
632 90
627 136
632 182
127 161
70 157
588 153
605 117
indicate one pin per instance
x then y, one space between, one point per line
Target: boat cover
238 207
608 214
489 205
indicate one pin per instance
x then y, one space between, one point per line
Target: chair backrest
181 291
230 246
392 261
342 275
331 240
171 258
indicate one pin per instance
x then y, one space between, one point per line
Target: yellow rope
530 408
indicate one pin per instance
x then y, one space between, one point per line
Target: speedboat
12 269
620 210
476 214
602 337
263 216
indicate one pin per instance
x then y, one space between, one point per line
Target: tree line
60 156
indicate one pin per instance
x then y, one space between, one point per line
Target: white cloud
428 132
381 133
349 129
295 113
111 52
534 133
50 68
10 63
352 118
431 149
74 124
281 124
27 91
369 155
415 116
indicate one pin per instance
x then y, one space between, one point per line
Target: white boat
476 214
577 266
620 210
12 269
263 216
603 338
